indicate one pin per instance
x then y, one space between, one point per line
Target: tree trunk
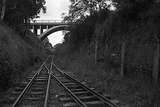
156 63
3 9
96 50
122 57
89 48
107 58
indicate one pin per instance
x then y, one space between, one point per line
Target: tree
3 9
16 11
80 9
156 61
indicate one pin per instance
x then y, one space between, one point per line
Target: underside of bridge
54 29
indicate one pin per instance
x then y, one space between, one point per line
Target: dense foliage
79 9
126 14
18 52
129 24
16 11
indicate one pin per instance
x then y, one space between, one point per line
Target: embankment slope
17 53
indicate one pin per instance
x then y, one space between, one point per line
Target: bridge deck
49 22
53 23
43 24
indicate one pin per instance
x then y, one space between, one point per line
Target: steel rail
46 68
48 85
28 85
75 98
102 98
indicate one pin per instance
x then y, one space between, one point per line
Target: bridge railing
47 21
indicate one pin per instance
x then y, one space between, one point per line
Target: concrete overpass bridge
43 28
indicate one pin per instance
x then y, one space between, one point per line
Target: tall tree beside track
79 9
156 61
3 9
16 11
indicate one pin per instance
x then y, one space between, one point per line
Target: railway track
35 91
78 95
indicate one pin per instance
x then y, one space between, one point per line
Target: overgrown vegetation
133 25
123 44
17 53
19 48
16 12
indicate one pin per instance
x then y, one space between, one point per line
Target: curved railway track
79 95
35 91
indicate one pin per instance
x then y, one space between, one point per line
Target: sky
55 8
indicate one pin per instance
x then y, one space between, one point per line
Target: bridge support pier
41 30
47 27
35 30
